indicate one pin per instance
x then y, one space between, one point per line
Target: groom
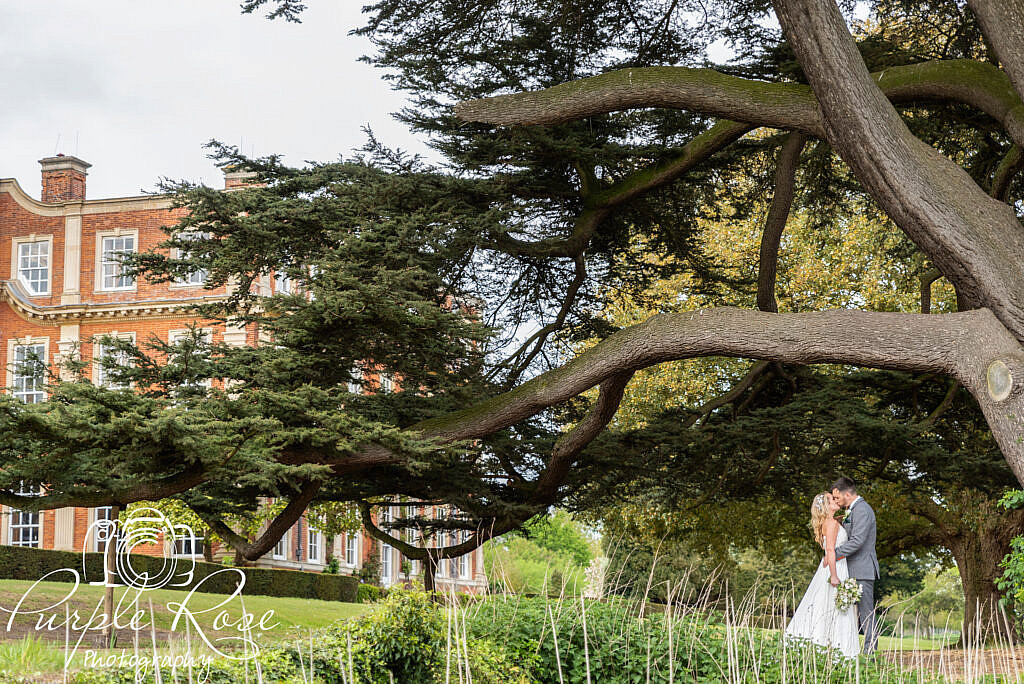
859 551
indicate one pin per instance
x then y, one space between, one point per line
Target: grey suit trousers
866 615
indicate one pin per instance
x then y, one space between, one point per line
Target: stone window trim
16 261
98 270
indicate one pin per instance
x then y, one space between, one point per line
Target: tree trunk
977 555
110 577
429 570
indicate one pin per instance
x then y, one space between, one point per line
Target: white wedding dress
818 619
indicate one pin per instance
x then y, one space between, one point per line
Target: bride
817 618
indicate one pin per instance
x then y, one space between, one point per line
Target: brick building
62 286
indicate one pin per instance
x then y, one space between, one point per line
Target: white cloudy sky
135 87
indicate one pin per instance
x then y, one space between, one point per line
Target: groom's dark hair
845 484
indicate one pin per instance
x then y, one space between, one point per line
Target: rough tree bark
778 214
110 578
1002 21
977 557
977 533
974 239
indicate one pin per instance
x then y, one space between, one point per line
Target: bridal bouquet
847 593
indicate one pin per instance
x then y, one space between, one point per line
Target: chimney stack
236 177
63 178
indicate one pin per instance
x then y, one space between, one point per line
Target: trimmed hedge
370 593
21 563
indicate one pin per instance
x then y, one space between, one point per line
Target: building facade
62 287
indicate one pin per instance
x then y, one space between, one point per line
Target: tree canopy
570 132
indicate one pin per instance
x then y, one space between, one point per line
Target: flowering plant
847 593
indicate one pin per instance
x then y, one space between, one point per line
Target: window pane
114 249
113 356
30 372
198 276
25 527
385 563
314 545
282 283
189 546
351 549
34 266
103 534
281 548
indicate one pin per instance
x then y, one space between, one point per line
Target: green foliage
29 655
369 573
559 532
903 575
1011 583
514 563
24 563
403 638
369 593
621 647
939 602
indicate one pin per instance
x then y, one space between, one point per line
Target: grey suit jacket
859 548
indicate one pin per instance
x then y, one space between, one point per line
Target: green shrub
620 647
21 563
403 639
368 593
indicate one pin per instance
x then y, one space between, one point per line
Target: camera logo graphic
145 528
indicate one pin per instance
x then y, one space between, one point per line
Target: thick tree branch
1002 22
786 106
778 214
153 490
734 393
434 553
1009 167
599 203
277 528
947 401
583 433
975 240
962 345
538 338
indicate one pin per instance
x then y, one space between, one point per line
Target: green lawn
289 613
914 644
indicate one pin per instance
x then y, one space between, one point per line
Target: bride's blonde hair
819 514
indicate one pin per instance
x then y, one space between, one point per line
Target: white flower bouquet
847 593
